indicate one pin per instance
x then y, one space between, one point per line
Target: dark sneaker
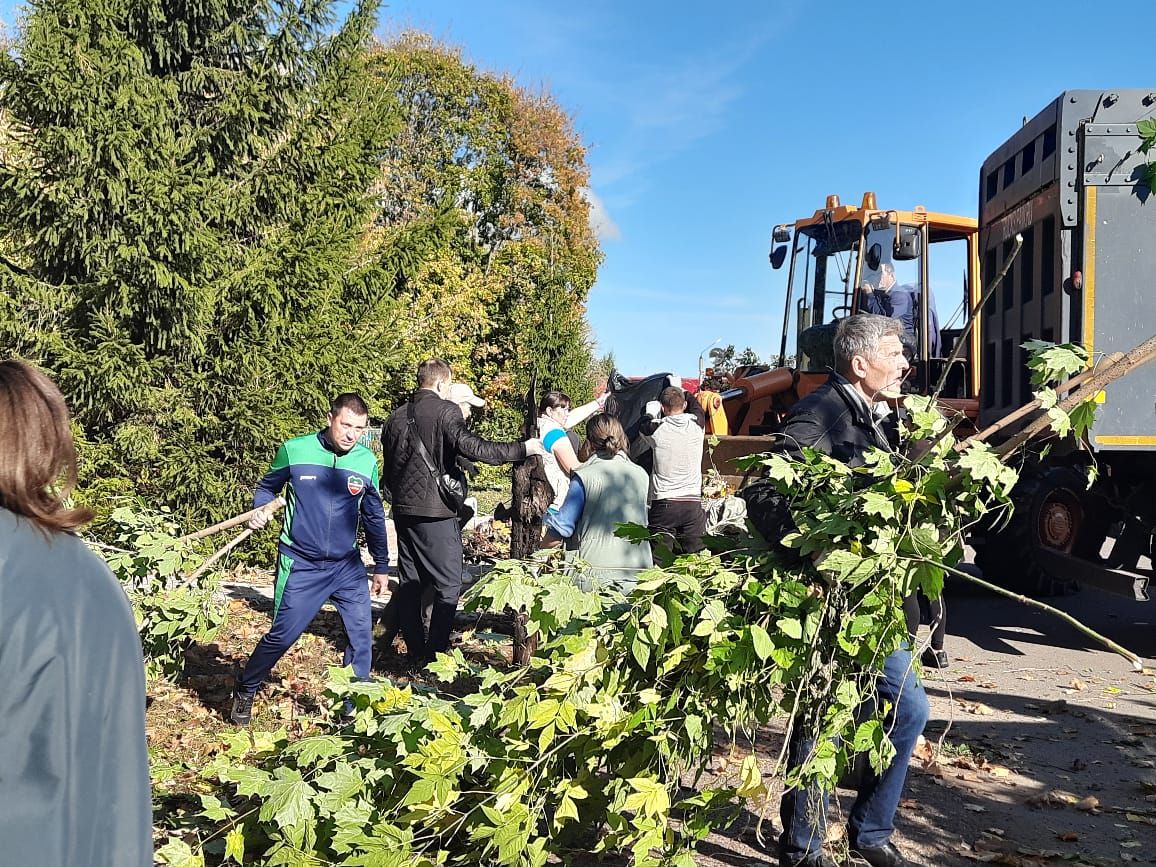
882 856
935 658
820 859
242 712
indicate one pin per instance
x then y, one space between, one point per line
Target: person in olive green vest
606 490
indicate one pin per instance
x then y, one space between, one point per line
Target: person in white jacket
555 418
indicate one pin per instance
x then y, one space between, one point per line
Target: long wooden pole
962 340
1132 360
219 553
270 507
1028 408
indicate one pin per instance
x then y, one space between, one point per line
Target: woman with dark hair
606 490
74 784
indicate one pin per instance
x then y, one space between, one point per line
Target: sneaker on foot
242 712
935 658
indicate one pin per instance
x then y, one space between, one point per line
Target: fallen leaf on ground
1069 837
1077 684
1053 798
976 707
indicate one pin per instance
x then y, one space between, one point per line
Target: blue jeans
803 812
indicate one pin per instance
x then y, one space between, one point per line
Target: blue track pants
302 588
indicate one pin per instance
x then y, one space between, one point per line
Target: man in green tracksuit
331 486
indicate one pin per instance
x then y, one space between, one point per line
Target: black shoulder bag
451 488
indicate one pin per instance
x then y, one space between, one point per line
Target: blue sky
706 124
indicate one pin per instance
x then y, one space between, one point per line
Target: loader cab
913 265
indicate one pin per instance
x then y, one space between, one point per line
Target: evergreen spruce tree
184 196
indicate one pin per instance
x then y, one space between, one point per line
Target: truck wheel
1052 510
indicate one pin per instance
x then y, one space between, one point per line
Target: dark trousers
300 590
917 609
429 554
803 812
682 522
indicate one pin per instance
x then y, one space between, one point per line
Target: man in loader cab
901 301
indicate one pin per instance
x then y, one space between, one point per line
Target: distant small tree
509 297
747 358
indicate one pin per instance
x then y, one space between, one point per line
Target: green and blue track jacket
327 495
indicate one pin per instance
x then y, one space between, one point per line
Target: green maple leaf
508 588
565 600
1147 130
1050 362
235 845
312 751
983 465
875 503
177 853
1060 422
288 800
761 639
341 784
248 780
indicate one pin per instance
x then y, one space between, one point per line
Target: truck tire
1052 509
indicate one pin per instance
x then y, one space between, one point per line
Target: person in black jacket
844 418
429 539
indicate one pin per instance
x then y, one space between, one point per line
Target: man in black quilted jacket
429 539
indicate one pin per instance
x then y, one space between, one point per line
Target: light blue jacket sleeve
566 518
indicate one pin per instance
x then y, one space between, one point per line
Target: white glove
601 399
260 519
653 409
534 447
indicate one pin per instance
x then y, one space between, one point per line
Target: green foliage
586 749
1146 128
522 257
1052 363
624 694
171 611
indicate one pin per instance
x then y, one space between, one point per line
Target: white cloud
601 223
667 108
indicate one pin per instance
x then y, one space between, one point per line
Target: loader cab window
826 259
889 286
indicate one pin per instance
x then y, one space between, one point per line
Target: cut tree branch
961 340
1137 662
269 507
1132 360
